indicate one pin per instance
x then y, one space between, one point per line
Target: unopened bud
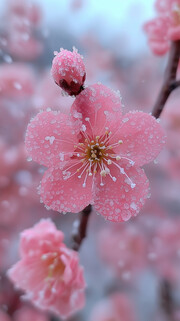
68 71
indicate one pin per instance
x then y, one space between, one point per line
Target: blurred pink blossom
23 19
156 30
12 158
16 80
116 307
165 28
123 248
165 248
26 9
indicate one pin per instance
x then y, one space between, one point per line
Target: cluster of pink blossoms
93 154
165 28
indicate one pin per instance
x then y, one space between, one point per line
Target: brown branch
80 227
169 83
166 298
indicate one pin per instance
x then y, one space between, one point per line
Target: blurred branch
10 298
167 300
80 227
170 82
175 84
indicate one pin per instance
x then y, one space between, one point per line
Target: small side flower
52 277
165 27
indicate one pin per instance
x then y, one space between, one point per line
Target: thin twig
170 82
80 227
167 303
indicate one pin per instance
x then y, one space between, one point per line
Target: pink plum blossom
12 158
52 277
114 308
16 80
123 248
165 247
25 50
165 27
157 35
68 71
23 19
27 9
94 156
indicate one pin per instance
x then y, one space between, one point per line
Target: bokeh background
132 269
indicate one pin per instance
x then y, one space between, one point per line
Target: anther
133 185
103 173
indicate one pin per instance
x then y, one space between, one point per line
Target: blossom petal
65 195
98 107
119 202
142 137
49 135
43 230
34 270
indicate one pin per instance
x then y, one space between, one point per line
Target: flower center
55 266
95 151
96 154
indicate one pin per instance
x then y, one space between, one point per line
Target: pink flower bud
68 71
